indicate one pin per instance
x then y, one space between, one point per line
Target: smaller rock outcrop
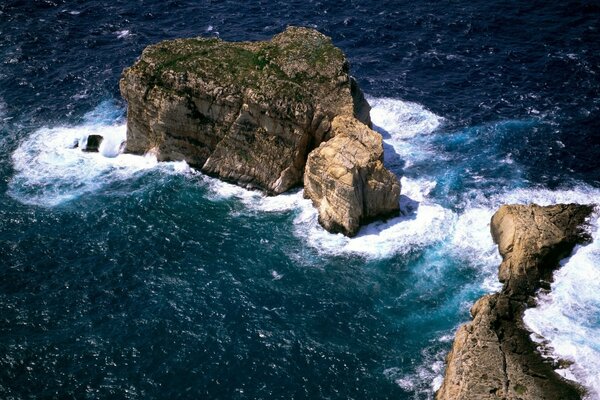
92 143
493 356
346 180
531 241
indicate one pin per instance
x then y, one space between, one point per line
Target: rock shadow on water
408 212
392 159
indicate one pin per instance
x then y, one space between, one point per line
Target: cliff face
250 113
493 356
346 180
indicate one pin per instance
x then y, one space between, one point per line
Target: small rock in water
74 144
93 143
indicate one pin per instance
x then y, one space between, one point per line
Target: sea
125 278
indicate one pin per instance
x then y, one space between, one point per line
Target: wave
454 231
50 170
122 34
568 317
252 199
403 118
425 378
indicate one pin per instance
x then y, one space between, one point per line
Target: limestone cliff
346 180
493 356
250 113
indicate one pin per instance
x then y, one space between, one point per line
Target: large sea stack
493 356
251 112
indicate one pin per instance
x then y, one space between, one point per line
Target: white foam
427 225
403 119
252 199
471 240
569 315
276 275
122 34
49 171
400 121
472 243
426 378
581 194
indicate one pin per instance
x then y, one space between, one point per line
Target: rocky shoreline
493 356
268 115
278 114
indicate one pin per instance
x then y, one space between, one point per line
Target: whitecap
568 317
50 169
122 34
402 119
276 275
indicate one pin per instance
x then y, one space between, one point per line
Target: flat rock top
299 63
532 238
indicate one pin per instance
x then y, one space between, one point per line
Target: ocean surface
125 278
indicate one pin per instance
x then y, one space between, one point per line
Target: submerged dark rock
250 112
493 356
92 143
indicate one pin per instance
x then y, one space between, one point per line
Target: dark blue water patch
494 158
165 291
151 286
470 62
144 288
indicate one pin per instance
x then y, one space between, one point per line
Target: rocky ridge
251 112
493 356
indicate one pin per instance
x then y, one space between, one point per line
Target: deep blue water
120 278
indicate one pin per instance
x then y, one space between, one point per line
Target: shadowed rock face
247 112
251 112
493 356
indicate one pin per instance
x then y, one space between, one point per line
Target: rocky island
493 356
268 115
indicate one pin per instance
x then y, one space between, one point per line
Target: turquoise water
122 277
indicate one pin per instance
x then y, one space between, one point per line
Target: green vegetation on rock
291 65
